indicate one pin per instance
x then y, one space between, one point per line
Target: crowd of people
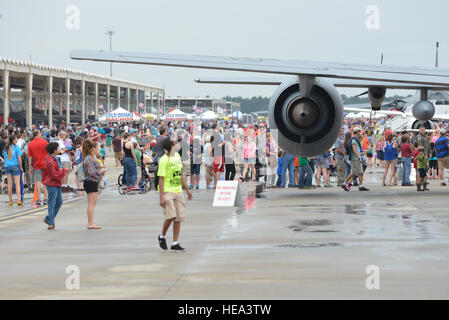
229 150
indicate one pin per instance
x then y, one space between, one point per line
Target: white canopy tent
351 115
176 115
209 115
120 115
136 117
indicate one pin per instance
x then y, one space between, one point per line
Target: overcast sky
333 31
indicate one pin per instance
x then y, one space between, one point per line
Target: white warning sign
225 193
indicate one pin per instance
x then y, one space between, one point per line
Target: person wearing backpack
52 175
353 150
390 157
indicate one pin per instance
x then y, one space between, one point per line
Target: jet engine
306 126
376 96
423 110
414 124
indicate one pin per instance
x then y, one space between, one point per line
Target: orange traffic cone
35 196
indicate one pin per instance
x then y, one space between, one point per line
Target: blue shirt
390 151
441 148
16 151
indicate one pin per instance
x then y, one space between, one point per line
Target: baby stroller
145 183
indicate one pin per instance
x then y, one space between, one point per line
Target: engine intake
376 97
306 126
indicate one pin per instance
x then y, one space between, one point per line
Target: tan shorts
391 161
443 163
174 206
67 165
186 169
356 167
117 155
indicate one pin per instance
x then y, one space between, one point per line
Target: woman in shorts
380 150
390 157
94 173
322 168
12 156
249 157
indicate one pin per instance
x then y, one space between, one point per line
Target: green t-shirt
302 161
170 168
420 162
138 155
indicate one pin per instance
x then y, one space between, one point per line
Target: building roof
47 70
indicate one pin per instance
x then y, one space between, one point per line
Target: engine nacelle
306 126
423 110
413 124
376 97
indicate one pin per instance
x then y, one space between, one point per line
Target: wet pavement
280 244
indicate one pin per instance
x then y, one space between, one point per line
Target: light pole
436 54
110 34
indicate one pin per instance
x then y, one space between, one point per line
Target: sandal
11 203
94 228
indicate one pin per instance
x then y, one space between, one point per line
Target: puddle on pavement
309 245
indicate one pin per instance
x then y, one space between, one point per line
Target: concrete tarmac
287 244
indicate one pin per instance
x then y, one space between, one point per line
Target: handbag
80 172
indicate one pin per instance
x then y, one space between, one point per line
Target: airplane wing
396 113
415 75
382 112
339 83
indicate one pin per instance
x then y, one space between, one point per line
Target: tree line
256 104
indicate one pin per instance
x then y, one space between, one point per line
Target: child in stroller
145 178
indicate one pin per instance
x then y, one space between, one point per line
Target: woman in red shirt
52 175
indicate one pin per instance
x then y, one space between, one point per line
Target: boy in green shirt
421 165
171 182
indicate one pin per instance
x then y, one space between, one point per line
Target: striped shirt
441 147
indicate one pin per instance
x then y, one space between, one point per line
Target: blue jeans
305 176
288 162
130 171
54 203
406 170
278 182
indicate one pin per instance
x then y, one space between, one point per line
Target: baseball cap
356 129
443 131
133 131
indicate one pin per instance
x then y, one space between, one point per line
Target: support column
137 100
97 114
128 92
50 101
163 101
118 96
67 108
6 97
29 100
108 93
158 103
83 102
45 98
61 99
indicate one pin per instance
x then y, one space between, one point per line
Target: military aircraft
306 108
